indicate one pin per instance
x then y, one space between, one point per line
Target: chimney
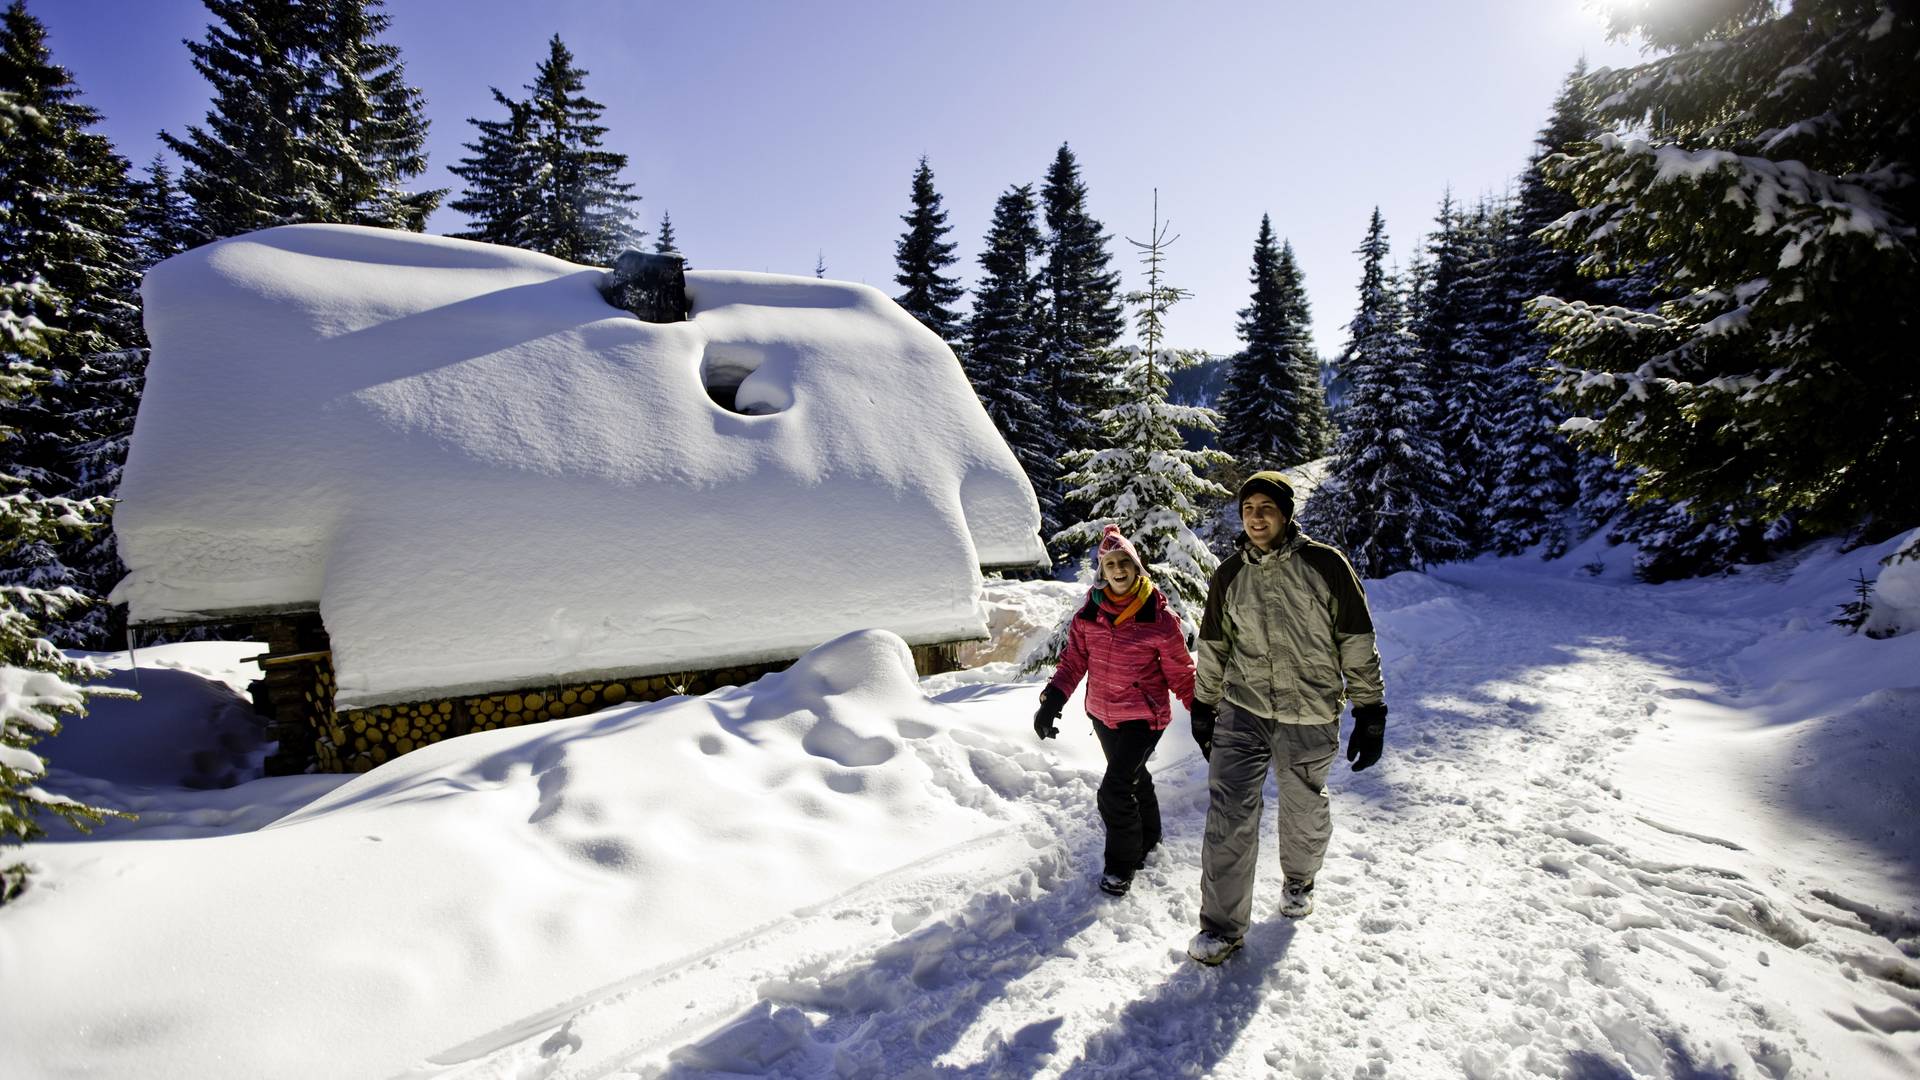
654 287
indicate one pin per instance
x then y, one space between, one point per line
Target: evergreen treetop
580 206
500 201
1384 501
1316 426
160 215
381 118
63 203
665 243
540 178
1273 412
922 255
1081 315
1002 343
312 120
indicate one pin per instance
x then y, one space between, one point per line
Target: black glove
1369 731
1051 702
1204 715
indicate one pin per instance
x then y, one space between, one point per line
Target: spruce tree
665 243
1775 379
581 207
64 194
1539 475
242 171
1456 365
312 120
1310 396
1081 315
1002 344
1143 479
923 255
499 200
1266 410
1481 351
105 397
1546 490
1384 501
376 122
38 684
160 217
541 178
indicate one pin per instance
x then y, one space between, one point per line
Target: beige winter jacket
1287 634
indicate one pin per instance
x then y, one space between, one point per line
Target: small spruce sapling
1853 613
1143 479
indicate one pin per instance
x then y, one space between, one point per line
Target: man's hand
1051 702
1369 732
1204 715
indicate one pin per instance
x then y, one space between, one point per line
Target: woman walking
1131 649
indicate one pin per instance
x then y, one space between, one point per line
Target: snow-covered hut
495 489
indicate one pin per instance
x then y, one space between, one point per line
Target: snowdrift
484 476
480 880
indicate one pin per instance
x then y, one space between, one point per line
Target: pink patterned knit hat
1111 539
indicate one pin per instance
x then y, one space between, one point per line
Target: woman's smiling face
1119 572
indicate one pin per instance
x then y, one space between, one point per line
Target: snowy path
1491 906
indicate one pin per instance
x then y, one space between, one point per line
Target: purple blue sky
775 131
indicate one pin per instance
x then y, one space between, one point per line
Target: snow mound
1407 589
206 735
1854 770
192 725
1811 760
584 851
485 476
1896 592
1412 611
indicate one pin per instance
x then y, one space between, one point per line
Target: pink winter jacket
1130 668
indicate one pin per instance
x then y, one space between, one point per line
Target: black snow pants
1128 806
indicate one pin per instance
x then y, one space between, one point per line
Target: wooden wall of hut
315 735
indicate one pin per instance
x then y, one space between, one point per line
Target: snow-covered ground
1620 830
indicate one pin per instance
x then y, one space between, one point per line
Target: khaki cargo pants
1243 745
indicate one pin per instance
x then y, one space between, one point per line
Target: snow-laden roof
483 475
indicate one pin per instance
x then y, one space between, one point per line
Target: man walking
1286 637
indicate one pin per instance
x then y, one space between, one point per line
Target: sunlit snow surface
1619 830
486 476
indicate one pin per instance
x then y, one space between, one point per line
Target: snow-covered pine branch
1767 192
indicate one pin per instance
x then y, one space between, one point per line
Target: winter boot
1297 901
1116 884
1210 948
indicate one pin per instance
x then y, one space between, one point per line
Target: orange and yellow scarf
1125 607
